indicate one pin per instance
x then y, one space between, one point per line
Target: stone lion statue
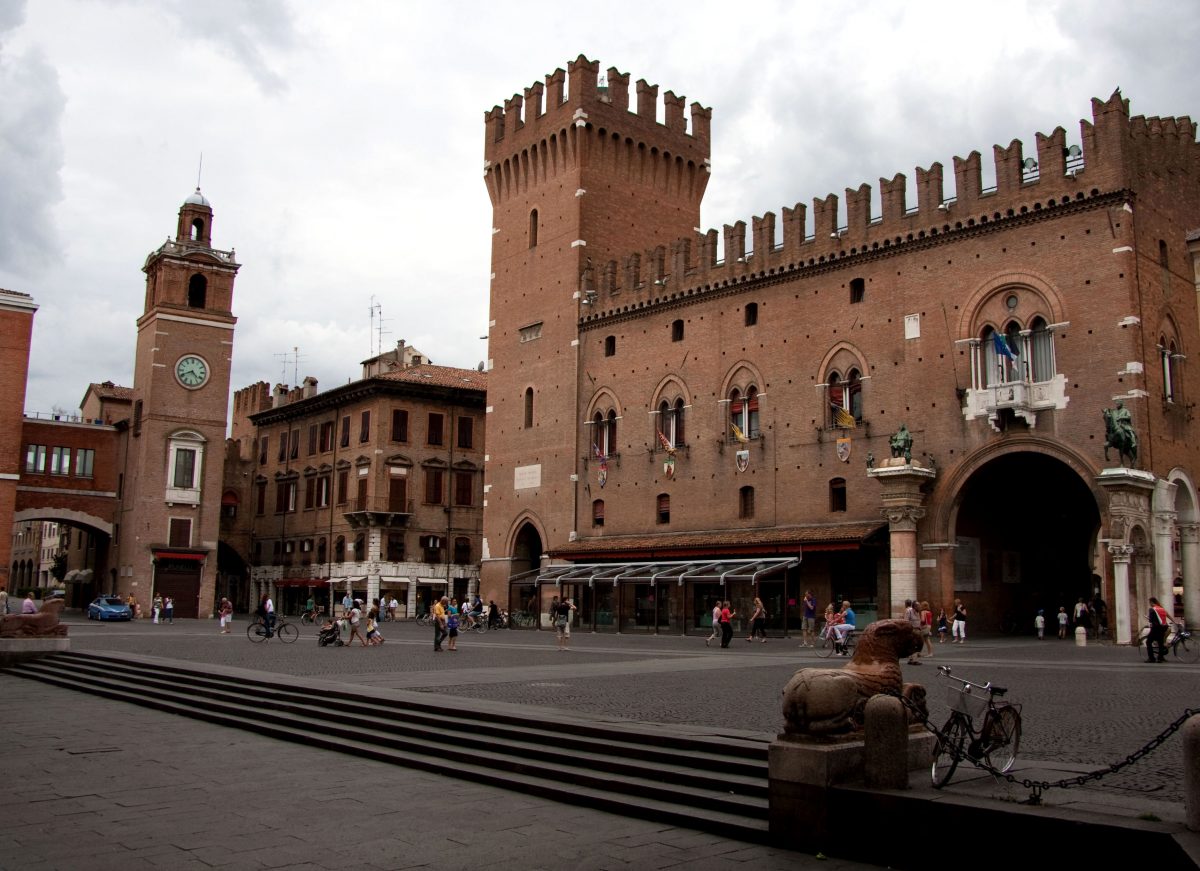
43 624
825 701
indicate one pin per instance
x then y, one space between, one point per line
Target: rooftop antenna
199 170
377 330
292 357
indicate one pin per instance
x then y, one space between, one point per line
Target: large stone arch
64 515
976 310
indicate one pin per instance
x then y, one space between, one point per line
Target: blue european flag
1001 346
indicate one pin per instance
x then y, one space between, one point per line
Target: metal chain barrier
1037 787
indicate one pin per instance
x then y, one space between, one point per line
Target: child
943 625
373 636
1062 622
1039 623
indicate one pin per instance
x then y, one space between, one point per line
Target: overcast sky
343 142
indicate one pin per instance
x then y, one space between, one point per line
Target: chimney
310 386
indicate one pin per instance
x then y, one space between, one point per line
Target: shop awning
678 572
180 554
774 542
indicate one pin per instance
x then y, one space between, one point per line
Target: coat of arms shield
843 449
743 460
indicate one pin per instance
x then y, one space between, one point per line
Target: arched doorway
523 606
1026 532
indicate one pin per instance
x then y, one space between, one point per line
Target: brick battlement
1114 149
537 133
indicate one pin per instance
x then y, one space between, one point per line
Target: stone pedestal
903 506
1129 509
14 650
802 771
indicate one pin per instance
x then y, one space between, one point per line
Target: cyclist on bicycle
841 630
266 612
311 608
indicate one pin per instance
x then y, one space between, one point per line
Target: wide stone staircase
710 782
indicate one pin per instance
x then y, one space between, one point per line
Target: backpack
452 621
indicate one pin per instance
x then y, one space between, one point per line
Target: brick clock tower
577 177
174 450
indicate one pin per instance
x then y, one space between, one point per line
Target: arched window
845 399
605 435
1170 358
197 294
746 502
1041 350
533 228
1002 355
597 512
360 548
339 549
322 550
528 408
837 494
670 422
743 413
197 229
663 512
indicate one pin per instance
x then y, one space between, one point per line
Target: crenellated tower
578 174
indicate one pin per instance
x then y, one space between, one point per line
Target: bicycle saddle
999 691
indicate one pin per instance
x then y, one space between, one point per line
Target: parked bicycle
997 740
312 617
425 619
827 643
1180 642
284 631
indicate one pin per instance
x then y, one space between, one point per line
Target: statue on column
1119 434
902 443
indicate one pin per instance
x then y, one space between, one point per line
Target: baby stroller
328 636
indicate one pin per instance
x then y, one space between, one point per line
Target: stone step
576 765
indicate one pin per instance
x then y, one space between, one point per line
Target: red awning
170 554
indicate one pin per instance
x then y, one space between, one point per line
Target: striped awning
714 571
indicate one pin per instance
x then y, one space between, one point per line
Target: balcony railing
378 511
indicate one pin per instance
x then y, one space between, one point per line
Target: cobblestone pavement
93 784
1090 705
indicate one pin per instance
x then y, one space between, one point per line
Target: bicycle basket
973 704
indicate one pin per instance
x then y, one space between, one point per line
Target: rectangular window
262 451
312 439
345 440
60 461
463 488
184 477
466 432
295 444
327 436
285 497
323 491
343 486
531 332
360 499
283 445
84 459
434 435
364 429
310 493
35 458
260 498
180 534
399 425
434 481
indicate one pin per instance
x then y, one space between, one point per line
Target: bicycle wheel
1002 733
1187 649
824 646
287 632
948 751
256 633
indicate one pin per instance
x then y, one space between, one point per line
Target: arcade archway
1026 531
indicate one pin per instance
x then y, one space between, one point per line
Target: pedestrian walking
912 614
926 630
562 623
156 608
758 621
809 625
727 615
439 623
1080 616
1159 622
169 610
226 614
347 604
716 623
452 626
943 626
355 620
1062 622
1039 623
960 622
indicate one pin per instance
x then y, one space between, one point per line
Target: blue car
109 608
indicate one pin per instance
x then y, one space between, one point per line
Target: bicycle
284 631
310 618
425 619
827 643
996 742
1179 642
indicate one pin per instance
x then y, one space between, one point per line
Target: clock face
191 371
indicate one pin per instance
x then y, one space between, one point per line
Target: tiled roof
441 376
713 541
108 390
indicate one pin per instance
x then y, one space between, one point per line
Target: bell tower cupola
195 221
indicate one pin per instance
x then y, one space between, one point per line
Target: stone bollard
885 743
1191 772
1080 636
